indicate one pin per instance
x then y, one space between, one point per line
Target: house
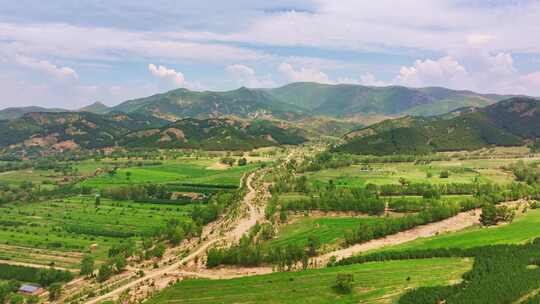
28 289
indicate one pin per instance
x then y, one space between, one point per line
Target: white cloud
246 76
170 75
303 74
445 71
43 66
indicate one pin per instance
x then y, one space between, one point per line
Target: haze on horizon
72 53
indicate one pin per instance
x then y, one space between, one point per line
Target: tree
128 175
489 215
87 265
33 299
16 299
314 243
104 273
158 251
120 263
242 161
344 282
444 174
55 291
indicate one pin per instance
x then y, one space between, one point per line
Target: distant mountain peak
97 107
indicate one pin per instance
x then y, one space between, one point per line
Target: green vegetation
494 125
373 283
189 171
44 277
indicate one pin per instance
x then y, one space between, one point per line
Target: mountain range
84 130
291 102
511 122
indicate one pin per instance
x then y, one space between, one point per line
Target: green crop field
523 228
373 283
330 230
467 171
16 178
58 231
179 171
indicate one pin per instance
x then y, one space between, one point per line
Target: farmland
466 171
330 230
373 283
196 171
60 231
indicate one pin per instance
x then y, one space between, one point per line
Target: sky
70 53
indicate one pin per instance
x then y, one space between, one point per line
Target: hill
215 134
17 112
68 130
349 99
510 122
300 100
97 108
182 103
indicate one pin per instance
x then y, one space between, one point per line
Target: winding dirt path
210 233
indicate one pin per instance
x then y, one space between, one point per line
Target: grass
523 229
179 171
330 230
37 232
373 283
466 171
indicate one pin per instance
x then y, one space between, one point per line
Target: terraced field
59 231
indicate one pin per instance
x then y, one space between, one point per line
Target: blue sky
70 53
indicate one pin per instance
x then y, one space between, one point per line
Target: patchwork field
59 231
202 171
373 283
466 171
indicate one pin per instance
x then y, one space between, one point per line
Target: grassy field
330 230
466 171
46 232
524 228
178 171
373 283
16 178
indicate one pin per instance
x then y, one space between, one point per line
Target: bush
344 283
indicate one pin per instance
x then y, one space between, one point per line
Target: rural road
242 226
458 222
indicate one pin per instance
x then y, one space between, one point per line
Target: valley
241 209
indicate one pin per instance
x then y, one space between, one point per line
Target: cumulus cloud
170 75
441 72
302 74
43 66
246 76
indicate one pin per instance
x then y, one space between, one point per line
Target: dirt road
242 225
458 222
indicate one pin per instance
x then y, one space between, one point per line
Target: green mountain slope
348 99
97 108
215 134
182 103
300 100
84 129
507 123
14 113
69 130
